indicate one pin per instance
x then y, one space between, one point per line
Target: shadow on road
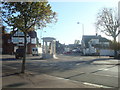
16 73
15 85
8 59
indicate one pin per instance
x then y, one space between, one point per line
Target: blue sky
66 30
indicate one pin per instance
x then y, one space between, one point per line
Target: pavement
29 80
13 79
108 62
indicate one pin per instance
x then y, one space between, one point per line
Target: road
77 68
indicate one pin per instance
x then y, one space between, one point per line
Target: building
1 40
59 47
49 47
72 48
119 19
92 44
7 46
11 42
18 40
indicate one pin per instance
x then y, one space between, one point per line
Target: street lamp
41 33
82 26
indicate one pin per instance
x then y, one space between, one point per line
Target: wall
29 48
106 52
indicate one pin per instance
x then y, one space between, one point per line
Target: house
11 42
18 40
94 44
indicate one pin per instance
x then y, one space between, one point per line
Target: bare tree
108 23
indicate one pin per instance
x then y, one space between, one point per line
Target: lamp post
41 35
82 27
82 32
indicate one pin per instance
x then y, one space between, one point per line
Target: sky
66 30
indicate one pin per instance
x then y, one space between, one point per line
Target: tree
115 45
76 41
22 16
108 23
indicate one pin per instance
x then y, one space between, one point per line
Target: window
28 39
21 40
33 40
19 34
8 40
15 40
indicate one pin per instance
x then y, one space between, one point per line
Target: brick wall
29 48
7 47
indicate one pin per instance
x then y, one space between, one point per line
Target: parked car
76 51
67 52
19 53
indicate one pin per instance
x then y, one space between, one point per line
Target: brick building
11 42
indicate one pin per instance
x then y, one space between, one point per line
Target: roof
102 39
32 34
48 39
87 38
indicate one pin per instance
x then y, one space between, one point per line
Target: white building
95 45
49 48
119 19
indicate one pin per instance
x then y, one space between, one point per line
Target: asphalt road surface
77 68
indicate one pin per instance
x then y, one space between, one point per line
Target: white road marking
103 69
105 75
85 83
96 85
78 64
